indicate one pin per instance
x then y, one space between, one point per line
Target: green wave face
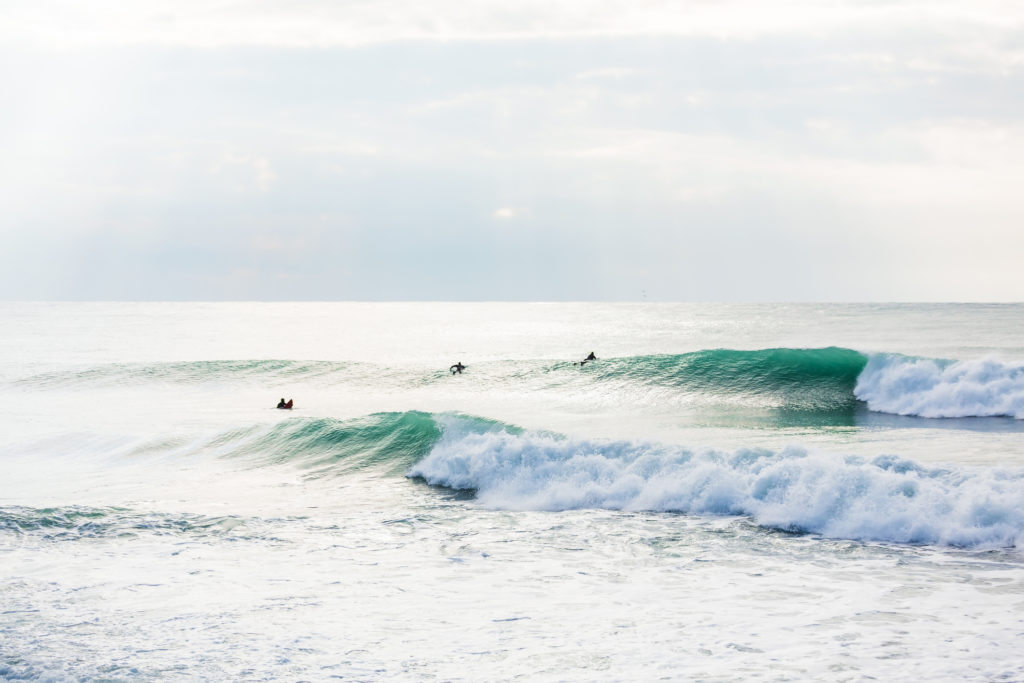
795 379
792 380
388 441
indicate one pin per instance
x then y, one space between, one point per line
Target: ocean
771 492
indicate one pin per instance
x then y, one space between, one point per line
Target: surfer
590 357
285 406
457 368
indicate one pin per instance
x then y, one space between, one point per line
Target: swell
188 372
819 382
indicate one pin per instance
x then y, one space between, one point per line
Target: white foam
929 388
885 499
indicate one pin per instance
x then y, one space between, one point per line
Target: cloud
324 23
258 171
507 212
757 156
611 72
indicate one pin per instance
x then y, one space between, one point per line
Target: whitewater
757 492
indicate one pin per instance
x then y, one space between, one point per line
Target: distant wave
814 381
187 372
883 499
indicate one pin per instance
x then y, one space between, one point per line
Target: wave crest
885 499
933 388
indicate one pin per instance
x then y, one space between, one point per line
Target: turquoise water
825 492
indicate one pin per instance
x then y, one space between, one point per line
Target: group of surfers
455 370
459 367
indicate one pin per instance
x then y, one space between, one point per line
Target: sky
555 150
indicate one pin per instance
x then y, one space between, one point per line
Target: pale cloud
729 149
258 171
354 148
612 72
505 213
955 164
324 23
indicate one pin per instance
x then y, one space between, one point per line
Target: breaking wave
887 498
882 499
934 388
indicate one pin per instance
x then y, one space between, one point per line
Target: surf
504 467
886 498
933 388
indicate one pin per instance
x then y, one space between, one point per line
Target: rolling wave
884 499
795 379
819 381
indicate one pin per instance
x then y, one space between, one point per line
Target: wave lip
885 499
926 387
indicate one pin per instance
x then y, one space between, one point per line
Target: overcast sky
742 150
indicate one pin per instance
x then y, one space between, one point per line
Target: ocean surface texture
729 492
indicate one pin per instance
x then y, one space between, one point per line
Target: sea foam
882 499
932 388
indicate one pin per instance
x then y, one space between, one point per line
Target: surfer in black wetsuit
281 404
590 357
457 368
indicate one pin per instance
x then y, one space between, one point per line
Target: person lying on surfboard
457 368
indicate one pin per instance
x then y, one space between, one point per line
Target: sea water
730 492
